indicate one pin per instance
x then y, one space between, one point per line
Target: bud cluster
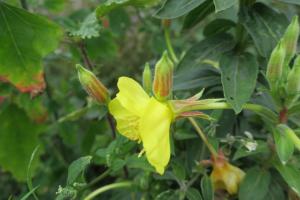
285 82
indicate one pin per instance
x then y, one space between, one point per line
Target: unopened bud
92 85
275 65
163 78
293 82
147 78
290 39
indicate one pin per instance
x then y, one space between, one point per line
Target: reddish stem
283 117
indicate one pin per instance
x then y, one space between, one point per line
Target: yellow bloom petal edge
145 119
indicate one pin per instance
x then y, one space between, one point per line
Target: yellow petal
154 130
132 96
127 122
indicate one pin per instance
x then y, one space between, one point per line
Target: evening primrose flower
226 176
143 119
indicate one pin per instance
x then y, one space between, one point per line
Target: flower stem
203 136
169 45
108 187
266 113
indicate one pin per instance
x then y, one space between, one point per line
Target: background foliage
58 143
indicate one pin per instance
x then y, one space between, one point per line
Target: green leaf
284 145
108 6
255 184
199 66
76 168
262 148
297 2
18 138
25 39
193 194
207 188
264 25
238 74
275 192
223 5
174 8
178 171
291 175
136 162
218 26
89 28
198 14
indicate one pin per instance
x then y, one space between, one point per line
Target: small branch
24 4
111 124
85 56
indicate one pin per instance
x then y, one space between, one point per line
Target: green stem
203 136
108 187
258 109
169 45
97 179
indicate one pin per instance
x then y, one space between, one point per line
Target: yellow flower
226 176
142 118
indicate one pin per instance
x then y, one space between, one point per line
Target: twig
85 56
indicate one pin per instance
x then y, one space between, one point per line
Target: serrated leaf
264 25
193 194
198 14
207 188
25 39
76 168
90 27
255 185
174 8
223 5
238 74
18 138
291 175
283 143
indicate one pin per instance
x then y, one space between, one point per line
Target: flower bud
290 39
293 82
226 176
163 78
92 85
147 78
275 66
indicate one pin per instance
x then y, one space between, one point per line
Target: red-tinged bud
163 78
147 78
290 39
92 85
275 66
293 83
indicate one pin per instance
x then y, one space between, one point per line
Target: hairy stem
203 136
